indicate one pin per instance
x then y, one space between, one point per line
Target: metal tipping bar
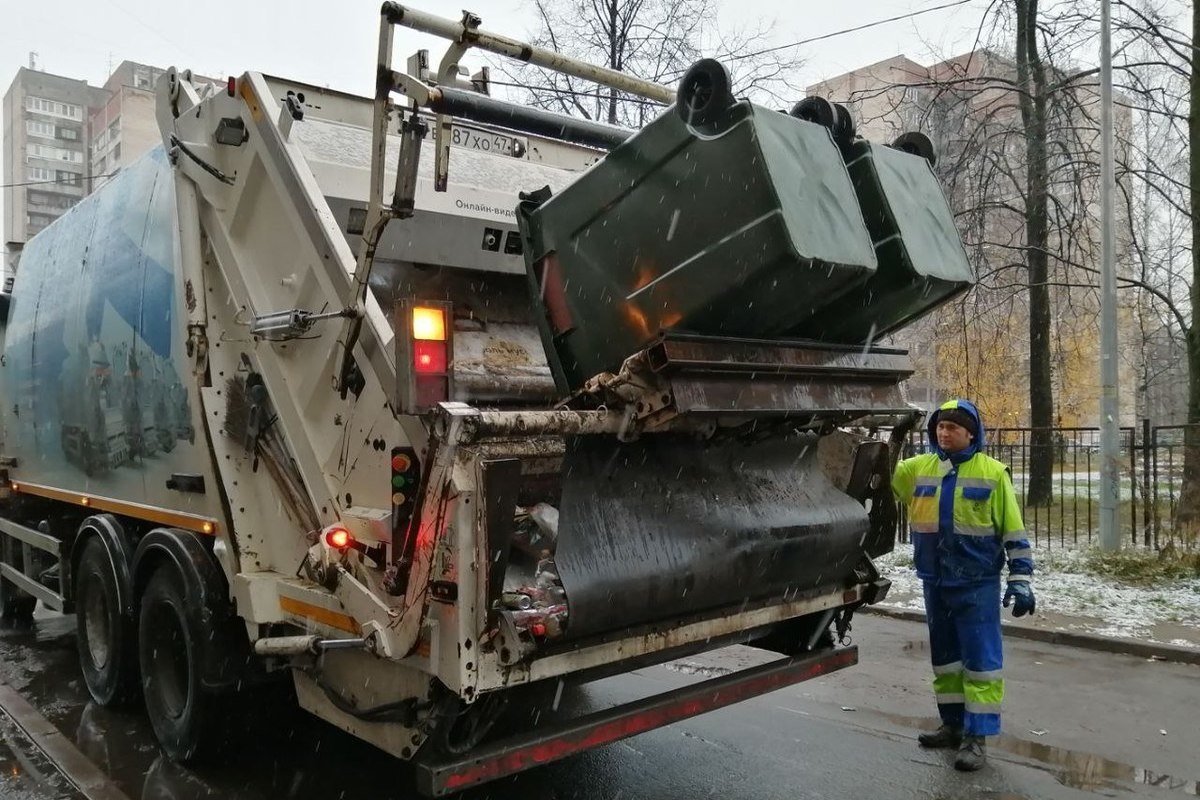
696 354
30 536
51 598
553 743
502 424
484 109
466 33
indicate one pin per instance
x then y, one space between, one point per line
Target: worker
965 524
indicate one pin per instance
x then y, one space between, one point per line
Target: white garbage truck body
217 444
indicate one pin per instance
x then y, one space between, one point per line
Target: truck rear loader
424 402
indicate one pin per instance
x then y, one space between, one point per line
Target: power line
600 93
43 183
798 43
855 29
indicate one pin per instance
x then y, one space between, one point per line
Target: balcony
50 207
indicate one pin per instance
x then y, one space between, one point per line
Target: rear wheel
107 650
169 646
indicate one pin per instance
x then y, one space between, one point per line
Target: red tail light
428 351
429 358
338 538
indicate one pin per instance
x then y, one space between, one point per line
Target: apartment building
123 127
967 106
46 170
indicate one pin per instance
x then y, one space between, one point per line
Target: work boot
943 738
972 754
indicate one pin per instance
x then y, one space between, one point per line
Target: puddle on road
25 772
1090 772
285 764
1072 768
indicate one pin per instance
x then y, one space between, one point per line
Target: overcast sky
333 43
326 43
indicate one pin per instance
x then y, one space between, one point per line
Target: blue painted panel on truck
98 396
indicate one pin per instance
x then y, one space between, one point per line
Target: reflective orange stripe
324 616
160 516
247 93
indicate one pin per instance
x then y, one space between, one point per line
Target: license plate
483 141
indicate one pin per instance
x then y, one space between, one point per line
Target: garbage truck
422 401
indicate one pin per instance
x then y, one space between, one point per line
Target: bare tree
1016 160
656 40
1017 126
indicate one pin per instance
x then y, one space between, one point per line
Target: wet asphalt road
788 745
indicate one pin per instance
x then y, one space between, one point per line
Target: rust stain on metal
190 296
501 353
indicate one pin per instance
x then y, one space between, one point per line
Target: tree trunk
1187 513
614 59
1031 76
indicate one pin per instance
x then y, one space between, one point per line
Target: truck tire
183 715
108 654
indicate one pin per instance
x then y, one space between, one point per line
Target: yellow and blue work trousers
964 642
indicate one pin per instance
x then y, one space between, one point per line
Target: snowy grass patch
1125 594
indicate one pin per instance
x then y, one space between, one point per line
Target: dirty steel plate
669 525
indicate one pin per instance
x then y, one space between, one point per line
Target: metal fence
1150 481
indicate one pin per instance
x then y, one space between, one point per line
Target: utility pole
1110 456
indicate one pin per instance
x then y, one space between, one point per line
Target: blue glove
1020 594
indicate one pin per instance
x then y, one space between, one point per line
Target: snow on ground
1084 485
1070 597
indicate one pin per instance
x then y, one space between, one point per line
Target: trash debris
537 607
1038 733
517 601
849 708
536 531
545 516
1163 732
1157 657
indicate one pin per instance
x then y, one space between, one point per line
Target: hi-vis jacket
963 513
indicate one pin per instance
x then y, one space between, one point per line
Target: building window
54 108
115 155
70 134
35 127
51 200
54 153
68 178
39 174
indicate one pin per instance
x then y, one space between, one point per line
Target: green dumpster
921 258
747 227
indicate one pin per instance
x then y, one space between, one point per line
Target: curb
1086 641
60 750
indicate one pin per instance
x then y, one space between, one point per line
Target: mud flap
670 525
